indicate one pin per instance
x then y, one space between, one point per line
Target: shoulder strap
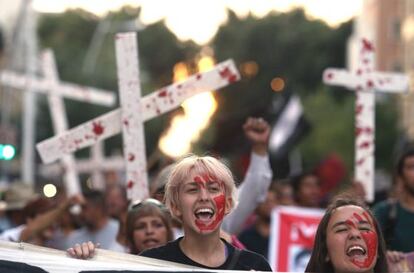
234 258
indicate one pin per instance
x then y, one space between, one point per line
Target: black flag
288 128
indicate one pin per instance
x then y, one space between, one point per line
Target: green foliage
286 45
333 128
387 131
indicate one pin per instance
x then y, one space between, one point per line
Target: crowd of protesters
197 216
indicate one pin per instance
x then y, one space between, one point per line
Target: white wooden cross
134 111
97 164
59 119
366 81
51 86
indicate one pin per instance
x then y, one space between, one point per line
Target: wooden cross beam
96 165
366 81
133 112
67 90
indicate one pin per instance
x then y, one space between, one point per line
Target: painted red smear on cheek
220 203
371 240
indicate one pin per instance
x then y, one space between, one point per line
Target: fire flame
186 128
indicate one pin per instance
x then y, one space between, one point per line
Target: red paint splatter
358 109
367 217
370 84
78 141
359 72
220 205
364 145
162 93
179 86
125 122
148 106
358 131
350 223
131 157
130 184
367 45
368 130
198 76
98 129
371 240
358 217
170 96
360 161
226 74
202 179
329 76
359 88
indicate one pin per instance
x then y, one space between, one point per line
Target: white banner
22 257
27 258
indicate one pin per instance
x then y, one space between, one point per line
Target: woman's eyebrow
191 184
340 223
361 222
364 222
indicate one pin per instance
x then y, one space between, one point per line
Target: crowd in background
110 221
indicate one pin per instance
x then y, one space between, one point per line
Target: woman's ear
228 205
176 211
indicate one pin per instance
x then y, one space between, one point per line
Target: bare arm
45 220
254 187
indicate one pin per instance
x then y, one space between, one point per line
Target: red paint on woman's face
220 202
351 226
370 238
204 191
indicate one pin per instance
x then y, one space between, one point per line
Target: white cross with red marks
133 112
54 89
96 165
366 81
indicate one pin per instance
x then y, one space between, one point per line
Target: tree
286 45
